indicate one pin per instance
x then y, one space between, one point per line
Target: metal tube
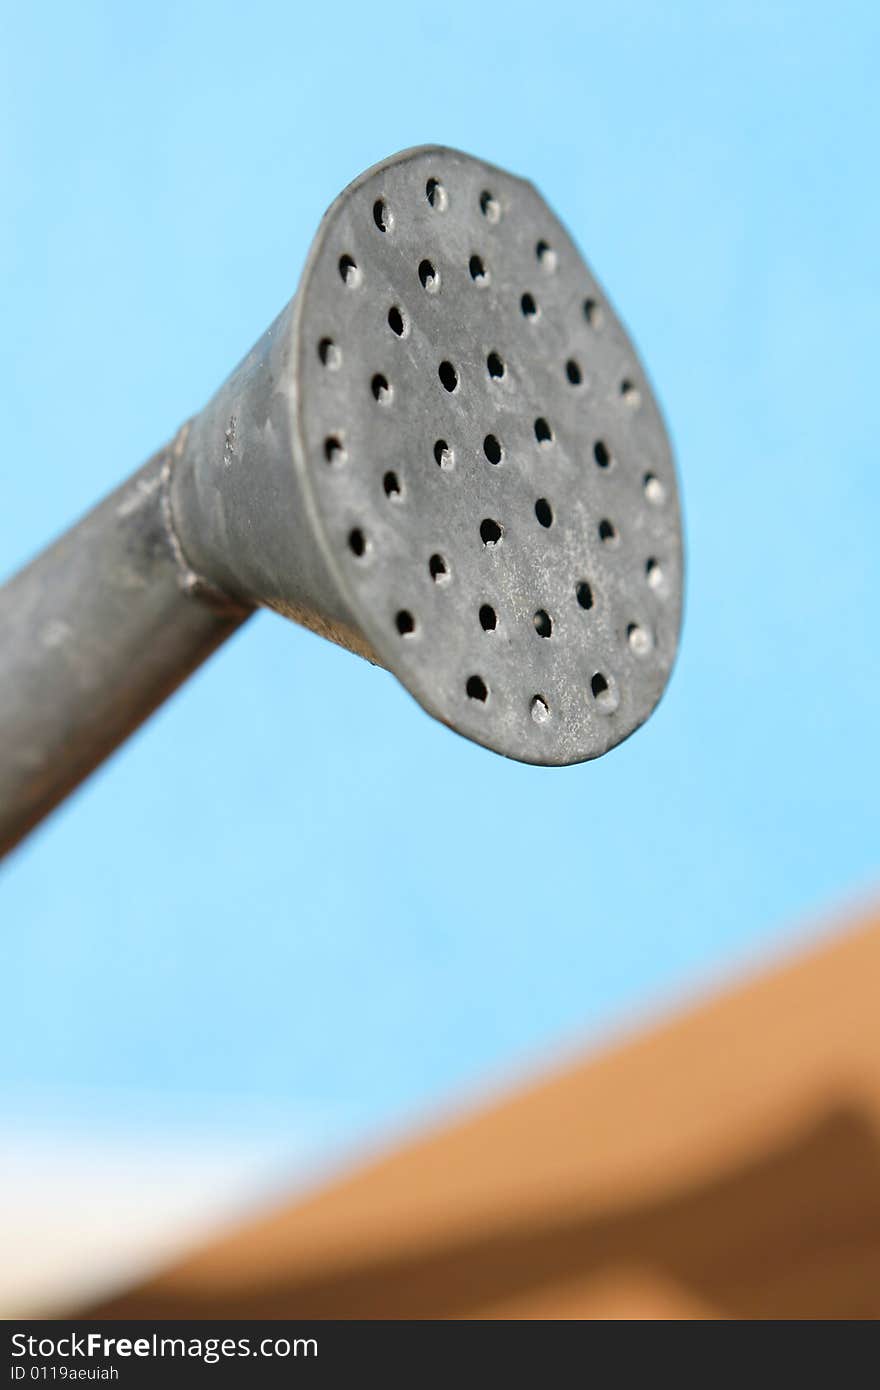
95 633
441 454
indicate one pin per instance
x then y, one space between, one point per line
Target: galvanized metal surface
94 634
444 454
526 587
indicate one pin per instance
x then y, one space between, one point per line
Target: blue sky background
293 894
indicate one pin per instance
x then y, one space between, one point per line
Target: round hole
438 569
544 512
429 277
477 689
654 573
334 449
528 307
436 195
607 531
490 532
540 710
492 449
654 489
329 354
443 455
448 376
349 272
391 484
543 432
546 256
380 389
396 321
604 692
593 313
479 273
357 542
630 394
584 594
573 372
381 216
639 639
405 622
543 623
494 365
489 206
601 454
488 618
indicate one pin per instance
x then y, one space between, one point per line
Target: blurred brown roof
723 1164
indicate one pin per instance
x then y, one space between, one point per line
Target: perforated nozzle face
485 461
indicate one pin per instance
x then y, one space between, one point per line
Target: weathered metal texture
444 454
94 634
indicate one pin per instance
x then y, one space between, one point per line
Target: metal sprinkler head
444 454
451 423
